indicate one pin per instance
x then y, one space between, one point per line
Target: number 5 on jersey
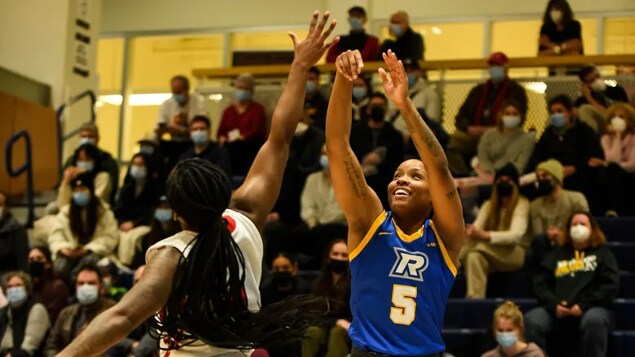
405 306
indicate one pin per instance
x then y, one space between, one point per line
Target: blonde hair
509 310
493 221
630 115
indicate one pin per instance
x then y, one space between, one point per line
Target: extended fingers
322 24
314 21
294 38
359 61
383 75
328 31
332 43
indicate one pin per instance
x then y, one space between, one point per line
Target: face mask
377 114
36 269
506 339
556 15
545 187
301 128
242 95
148 150
87 294
163 215
81 198
199 137
412 79
618 124
504 188
282 278
497 73
86 165
179 98
16 295
598 85
356 23
311 87
324 162
579 233
137 172
89 141
396 30
558 120
359 93
338 266
511 121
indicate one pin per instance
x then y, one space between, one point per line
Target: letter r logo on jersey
409 265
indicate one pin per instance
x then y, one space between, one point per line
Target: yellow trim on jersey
444 252
371 232
407 238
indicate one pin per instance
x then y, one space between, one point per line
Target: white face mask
618 124
511 121
598 85
301 128
556 15
580 233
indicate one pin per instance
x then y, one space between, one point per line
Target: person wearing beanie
84 231
550 211
496 238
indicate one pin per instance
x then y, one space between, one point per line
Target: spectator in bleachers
379 147
103 161
550 211
361 96
508 327
48 289
507 143
204 148
138 195
619 149
284 280
243 126
84 231
357 39
110 277
14 243
560 33
573 144
24 323
150 146
334 283
175 113
74 319
480 112
496 237
422 94
407 42
315 103
576 285
596 97
163 225
86 160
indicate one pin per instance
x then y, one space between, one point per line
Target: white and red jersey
249 240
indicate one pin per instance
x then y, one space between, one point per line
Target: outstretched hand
311 49
395 87
350 64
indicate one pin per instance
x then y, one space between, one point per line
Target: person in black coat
407 43
14 244
204 148
139 194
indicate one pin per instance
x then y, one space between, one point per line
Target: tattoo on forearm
418 126
354 176
451 194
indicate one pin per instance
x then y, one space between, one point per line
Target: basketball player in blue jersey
403 263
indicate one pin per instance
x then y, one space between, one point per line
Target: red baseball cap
498 58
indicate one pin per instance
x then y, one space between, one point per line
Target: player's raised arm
448 217
359 202
258 194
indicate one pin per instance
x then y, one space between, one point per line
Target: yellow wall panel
619 36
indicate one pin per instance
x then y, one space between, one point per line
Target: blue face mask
356 23
412 79
396 30
138 172
87 294
180 98
163 215
558 120
506 339
81 198
311 87
497 73
242 95
16 295
85 165
89 141
324 162
359 93
199 137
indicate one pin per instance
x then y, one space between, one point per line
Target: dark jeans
594 325
67 268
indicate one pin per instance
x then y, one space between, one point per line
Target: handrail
518 62
27 166
61 137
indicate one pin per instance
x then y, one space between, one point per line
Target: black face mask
377 113
36 269
545 187
504 188
338 266
282 278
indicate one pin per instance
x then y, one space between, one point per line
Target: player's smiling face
408 189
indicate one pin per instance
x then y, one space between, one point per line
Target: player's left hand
395 87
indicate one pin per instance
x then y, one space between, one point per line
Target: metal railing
26 167
60 111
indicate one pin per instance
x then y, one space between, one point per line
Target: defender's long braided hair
208 301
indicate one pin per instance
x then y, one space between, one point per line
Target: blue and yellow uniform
399 289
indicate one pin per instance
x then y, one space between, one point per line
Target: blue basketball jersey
399 289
